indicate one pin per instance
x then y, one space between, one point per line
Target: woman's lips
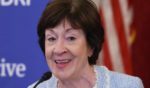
62 63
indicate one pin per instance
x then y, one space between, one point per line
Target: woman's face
66 51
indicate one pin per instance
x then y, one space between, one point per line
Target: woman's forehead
65 25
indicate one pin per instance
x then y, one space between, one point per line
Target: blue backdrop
21 60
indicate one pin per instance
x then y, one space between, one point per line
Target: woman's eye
51 39
71 38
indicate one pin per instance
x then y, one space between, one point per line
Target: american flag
116 16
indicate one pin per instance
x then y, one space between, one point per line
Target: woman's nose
60 47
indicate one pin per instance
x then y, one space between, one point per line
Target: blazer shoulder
120 80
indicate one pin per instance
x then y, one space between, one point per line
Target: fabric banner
21 60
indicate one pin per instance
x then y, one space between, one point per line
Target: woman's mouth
62 63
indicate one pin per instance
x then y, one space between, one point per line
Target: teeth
62 61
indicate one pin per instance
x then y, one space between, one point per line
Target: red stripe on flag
121 36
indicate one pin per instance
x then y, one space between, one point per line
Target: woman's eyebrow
49 31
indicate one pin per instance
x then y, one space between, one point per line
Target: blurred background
126 48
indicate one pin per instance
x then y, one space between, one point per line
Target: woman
71 36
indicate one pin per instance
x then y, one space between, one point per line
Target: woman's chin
64 71
63 77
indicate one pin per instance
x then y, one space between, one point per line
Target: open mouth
62 63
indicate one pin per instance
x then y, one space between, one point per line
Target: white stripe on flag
127 14
113 42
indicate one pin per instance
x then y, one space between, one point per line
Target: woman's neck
87 79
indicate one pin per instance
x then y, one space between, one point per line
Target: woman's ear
90 52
